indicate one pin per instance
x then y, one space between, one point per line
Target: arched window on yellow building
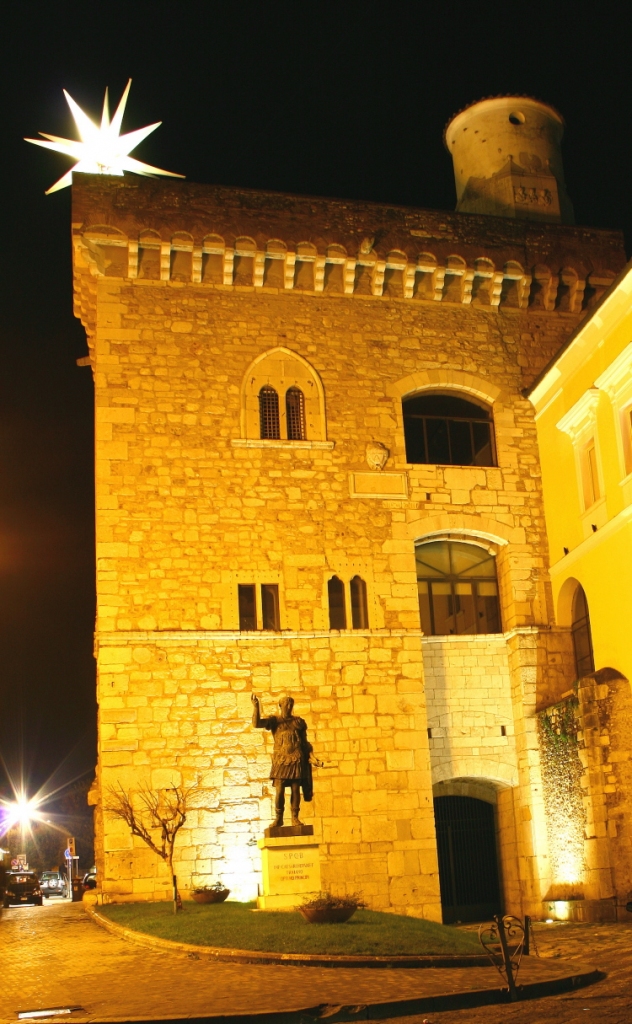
582 638
458 589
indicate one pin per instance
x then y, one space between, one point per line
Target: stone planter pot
328 915
211 896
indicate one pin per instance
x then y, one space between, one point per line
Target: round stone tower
508 161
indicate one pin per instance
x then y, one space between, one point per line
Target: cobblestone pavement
56 956
606 946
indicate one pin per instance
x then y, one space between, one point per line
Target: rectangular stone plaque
378 485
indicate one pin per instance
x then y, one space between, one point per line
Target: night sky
336 98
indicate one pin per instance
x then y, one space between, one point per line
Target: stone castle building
317 473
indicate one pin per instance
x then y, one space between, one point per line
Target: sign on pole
69 854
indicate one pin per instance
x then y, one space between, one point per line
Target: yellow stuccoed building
583 403
317 474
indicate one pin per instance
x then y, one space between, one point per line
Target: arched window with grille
337 611
359 608
295 414
448 430
269 413
458 589
582 638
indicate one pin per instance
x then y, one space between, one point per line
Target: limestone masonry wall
190 504
470 713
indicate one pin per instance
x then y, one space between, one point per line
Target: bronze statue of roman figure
291 767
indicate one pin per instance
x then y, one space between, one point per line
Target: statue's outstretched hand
254 698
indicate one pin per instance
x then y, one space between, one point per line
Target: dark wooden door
468 863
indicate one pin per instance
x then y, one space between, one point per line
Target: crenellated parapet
237 238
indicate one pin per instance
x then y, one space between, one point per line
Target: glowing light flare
19 812
101 149
239 873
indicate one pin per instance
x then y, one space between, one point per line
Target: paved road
56 956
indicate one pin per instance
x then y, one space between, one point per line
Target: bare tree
163 811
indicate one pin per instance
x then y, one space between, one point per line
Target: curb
222 954
337 1014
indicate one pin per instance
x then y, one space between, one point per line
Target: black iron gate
468 863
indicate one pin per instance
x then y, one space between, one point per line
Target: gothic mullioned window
269 413
458 590
262 614
295 414
448 430
282 399
338 609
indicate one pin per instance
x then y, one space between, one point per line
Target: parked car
52 883
89 880
21 887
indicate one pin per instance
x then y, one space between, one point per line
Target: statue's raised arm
256 711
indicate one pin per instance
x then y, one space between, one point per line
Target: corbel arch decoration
285 371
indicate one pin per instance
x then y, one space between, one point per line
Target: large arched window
582 639
269 413
448 430
458 590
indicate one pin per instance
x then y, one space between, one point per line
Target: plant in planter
327 909
215 893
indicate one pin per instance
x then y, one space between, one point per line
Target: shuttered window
295 412
269 413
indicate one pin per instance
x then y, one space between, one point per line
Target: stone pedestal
291 870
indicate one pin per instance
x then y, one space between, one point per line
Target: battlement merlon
135 228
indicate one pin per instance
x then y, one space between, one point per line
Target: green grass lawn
240 926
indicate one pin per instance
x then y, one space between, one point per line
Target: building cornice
613 306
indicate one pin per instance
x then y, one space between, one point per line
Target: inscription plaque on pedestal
291 871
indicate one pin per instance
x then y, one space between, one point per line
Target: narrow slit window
295 413
247 606
336 594
590 475
270 606
359 611
626 431
269 413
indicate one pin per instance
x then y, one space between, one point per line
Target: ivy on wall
558 727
